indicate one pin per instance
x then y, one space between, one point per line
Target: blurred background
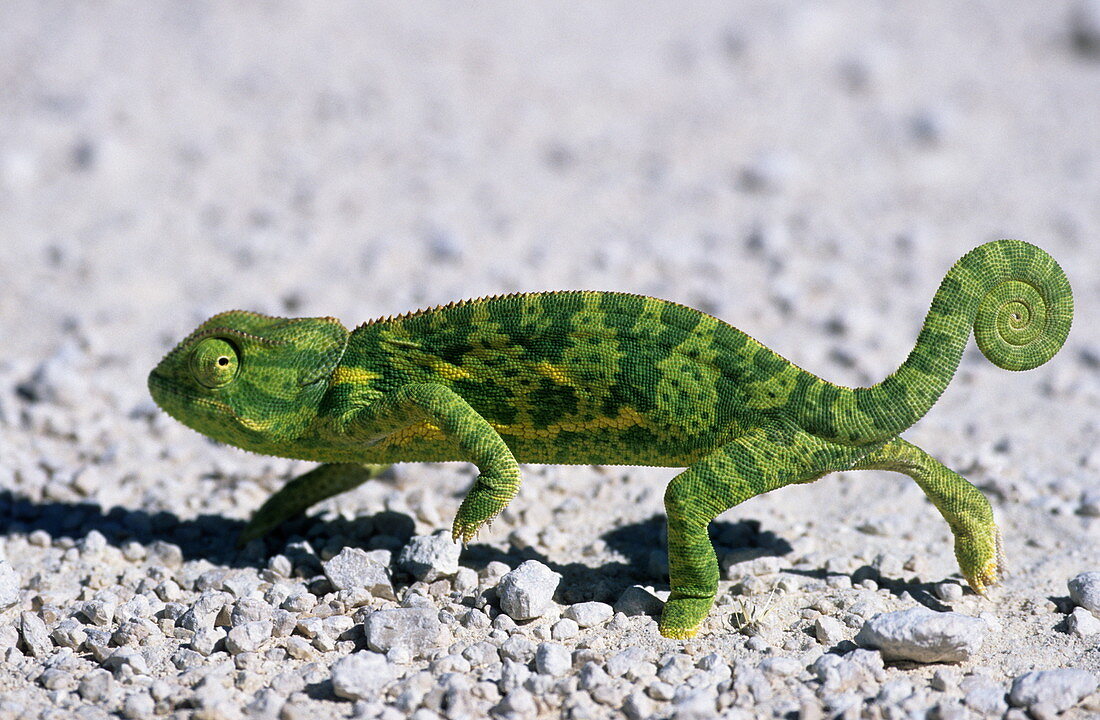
798 168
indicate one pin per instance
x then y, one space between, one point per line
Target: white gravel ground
806 171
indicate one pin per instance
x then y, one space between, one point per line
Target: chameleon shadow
210 537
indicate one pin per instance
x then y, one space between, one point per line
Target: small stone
9 585
248 637
56 679
430 557
95 686
518 649
69 633
638 707
35 636
829 631
589 614
481 653
1060 689
354 568
101 610
206 639
360 676
781 666
1084 589
625 660
985 697
552 659
564 629
415 629
518 703
300 649
138 706
636 600
945 679
660 690
839 673
948 591
465 581
528 591
248 610
698 704
922 635
1082 623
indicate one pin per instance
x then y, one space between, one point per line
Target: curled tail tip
1026 310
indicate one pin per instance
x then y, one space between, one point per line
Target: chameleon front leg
303 491
966 510
769 457
464 429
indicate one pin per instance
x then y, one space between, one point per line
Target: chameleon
586 377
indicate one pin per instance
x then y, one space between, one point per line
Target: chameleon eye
214 362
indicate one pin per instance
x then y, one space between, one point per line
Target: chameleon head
250 380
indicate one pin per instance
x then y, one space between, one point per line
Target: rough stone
528 591
552 659
430 557
922 635
360 676
415 629
1061 689
589 614
9 585
355 569
1084 589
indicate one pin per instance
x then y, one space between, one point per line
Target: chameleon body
606 378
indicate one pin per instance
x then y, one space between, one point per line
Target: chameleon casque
581 377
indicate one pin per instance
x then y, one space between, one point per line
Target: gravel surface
806 171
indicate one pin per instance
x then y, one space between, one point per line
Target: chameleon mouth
170 396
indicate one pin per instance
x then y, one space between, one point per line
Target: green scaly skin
606 378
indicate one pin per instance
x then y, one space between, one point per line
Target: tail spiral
1021 325
1019 304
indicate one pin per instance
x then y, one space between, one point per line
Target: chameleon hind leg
966 510
769 457
432 410
306 490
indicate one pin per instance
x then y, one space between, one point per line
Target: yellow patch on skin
354 375
256 425
451 372
553 372
626 417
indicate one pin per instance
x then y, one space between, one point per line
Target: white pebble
829 631
353 569
360 676
9 585
921 635
1082 623
248 637
415 629
1084 589
430 557
1060 689
552 659
589 614
528 591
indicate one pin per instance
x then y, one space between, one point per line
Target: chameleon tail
1019 303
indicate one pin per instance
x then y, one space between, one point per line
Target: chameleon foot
484 502
682 616
981 561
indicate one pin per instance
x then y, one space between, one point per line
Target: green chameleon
606 378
